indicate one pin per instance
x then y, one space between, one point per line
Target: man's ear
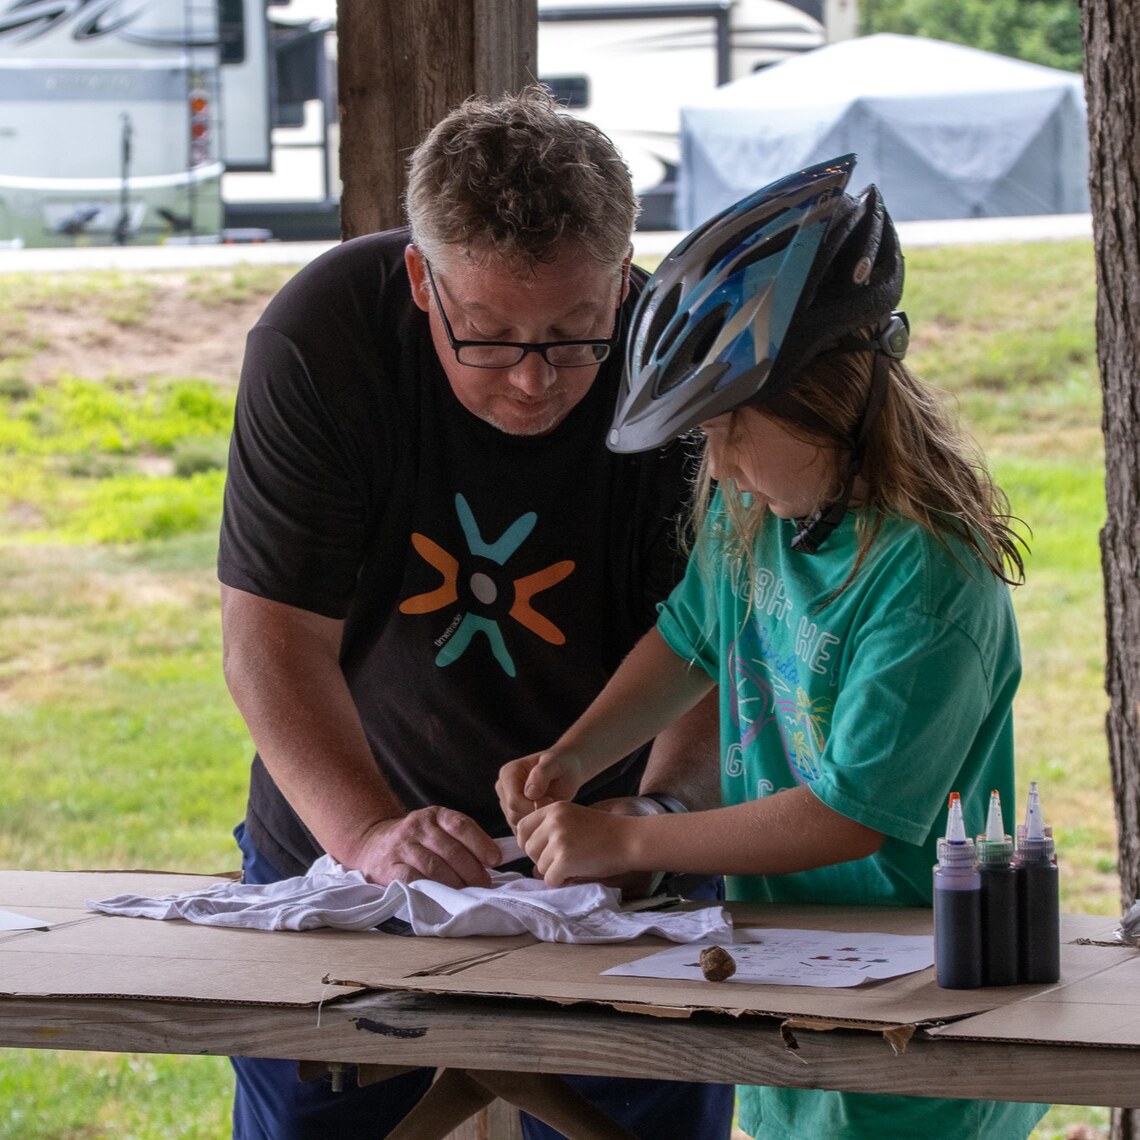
625 274
417 275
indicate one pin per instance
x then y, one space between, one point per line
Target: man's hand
536 780
429 843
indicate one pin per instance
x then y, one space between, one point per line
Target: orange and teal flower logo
488 595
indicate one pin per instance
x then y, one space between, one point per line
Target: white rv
629 67
118 117
178 120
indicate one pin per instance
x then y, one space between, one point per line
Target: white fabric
329 895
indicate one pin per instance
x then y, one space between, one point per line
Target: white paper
796 958
9 920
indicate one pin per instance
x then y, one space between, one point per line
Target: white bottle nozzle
995 827
995 847
955 824
1034 839
955 850
1034 820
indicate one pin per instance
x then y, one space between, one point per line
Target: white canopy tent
945 131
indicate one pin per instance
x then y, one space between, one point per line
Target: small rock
717 964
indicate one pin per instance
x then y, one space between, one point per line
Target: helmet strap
814 530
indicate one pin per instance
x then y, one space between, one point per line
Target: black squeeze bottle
957 907
1038 898
999 900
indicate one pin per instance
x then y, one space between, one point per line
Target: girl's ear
417 276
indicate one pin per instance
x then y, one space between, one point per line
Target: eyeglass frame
524 347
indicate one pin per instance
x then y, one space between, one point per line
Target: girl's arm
781 833
651 689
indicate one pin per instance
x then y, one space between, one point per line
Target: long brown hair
918 464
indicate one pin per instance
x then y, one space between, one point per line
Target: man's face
570 298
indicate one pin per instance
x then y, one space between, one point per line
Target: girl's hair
917 464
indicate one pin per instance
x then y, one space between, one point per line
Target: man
430 563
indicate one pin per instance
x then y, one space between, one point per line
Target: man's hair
518 179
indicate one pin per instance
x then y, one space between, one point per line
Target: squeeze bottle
1038 897
957 906
999 900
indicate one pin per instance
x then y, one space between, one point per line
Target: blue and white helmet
752 295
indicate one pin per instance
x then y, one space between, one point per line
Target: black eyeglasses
507 353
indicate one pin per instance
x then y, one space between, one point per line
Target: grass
121 745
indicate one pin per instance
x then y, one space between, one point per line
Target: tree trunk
401 66
1112 86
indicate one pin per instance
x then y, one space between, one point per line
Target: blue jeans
270 1103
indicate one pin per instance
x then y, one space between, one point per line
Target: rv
628 67
194 120
118 118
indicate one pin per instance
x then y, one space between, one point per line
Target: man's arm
282 667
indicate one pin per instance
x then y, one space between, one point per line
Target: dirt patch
171 328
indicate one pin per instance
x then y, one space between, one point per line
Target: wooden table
492 1033
1069 1044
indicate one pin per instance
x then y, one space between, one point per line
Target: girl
848 592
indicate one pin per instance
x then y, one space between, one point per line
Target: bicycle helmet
752 295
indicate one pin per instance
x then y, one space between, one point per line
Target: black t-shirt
489 584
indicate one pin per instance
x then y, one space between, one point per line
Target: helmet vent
691 352
661 317
722 256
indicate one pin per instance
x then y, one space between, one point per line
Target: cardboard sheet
1089 1006
86 954
90 955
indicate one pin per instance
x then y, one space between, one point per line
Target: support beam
401 66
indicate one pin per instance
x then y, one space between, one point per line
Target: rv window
571 91
300 64
231 30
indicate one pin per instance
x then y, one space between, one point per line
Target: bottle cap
1034 838
955 850
995 846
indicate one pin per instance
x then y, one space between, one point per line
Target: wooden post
401 66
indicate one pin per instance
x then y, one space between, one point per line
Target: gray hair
518 180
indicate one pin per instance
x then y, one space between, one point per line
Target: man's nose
532 375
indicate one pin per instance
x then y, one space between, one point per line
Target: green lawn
121 747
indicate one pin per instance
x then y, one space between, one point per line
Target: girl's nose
713 457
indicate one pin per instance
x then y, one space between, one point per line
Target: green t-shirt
883 702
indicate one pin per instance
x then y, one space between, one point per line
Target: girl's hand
536 780
570 843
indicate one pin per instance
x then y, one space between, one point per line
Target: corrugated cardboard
87 954
1088 1008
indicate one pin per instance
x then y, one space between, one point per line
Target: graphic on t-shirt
486 595
766 690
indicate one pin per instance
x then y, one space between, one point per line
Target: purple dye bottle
999 900
1038 897
957 906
